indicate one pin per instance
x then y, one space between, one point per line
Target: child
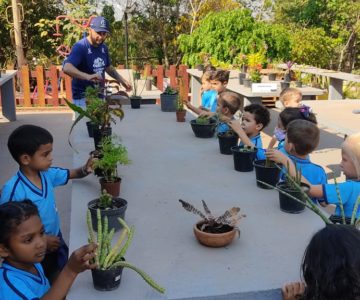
23 247
350 189
255 118
330 267
289 97
302 138
31 147
285 117
227 105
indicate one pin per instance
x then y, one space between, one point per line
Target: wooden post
40 85
172 75
68 91
25 78
184 80
54 85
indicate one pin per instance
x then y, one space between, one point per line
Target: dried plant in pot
110 258
214 231
111 154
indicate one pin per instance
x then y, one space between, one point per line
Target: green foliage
110 156
255 76
108 257
105 200
225 35
202 120
170 91
179 103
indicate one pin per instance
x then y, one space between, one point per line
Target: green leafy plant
202 120
170 91
241 60
255 75
108 257
179 103
230 217
105 200
109 157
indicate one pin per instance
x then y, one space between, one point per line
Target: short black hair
294 113
331 264
260 112
12 214
221 75
26 139
304 135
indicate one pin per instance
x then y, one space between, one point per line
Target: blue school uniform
16 284
19 188
349 192
209 100
256 140
314 173
281 146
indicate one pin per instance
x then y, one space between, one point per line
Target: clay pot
214 239
180 115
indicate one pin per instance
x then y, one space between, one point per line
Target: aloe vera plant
111 257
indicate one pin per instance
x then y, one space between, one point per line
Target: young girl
350 166
331 266
23 247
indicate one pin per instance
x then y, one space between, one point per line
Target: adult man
89 60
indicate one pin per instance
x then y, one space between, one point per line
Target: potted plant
203 127
227 140
298 76
110 207
135 97
110 259
214 231
110 155
255 75
180 109
101 112
287 76
243 157
266 171
168 99
241 60
273 70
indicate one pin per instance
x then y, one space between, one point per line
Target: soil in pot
112 187
203 130
288 204
215 237
270 175
90 128
180 115
135 102
99 134
227 140
118 210
243 159
107 280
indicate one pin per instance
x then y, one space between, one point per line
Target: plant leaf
223 219
189 207
207 210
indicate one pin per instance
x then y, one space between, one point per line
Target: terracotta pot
180 115
214 239
113 188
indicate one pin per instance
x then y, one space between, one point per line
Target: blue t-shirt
19 188
209 100
256 140
281 145
349 192
87 59
314 173
16 284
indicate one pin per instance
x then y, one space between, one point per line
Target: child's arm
236 126
316 191
79 261
83 171
52 243
193 108
272 142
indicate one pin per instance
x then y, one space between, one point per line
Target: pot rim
211 234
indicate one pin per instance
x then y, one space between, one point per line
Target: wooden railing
49 87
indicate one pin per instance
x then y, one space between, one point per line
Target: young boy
216 83
255 118
302 138
227 105
31 147
290 97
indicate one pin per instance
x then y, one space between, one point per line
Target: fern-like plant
111 257
230 217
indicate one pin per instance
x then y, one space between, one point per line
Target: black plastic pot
272 76
247 82
90 128
270 175
241 78
288 204
107 280
135 102
99 134
112 214
168 102
339 220
203 130
226 141
284 85
243 160
287 77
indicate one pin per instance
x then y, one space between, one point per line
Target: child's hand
224 118
79 260
276 156
89 166
52 243
291 291
236 125
207 114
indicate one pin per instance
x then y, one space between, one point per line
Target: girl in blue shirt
23 247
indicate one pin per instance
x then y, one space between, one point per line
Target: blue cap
100 24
